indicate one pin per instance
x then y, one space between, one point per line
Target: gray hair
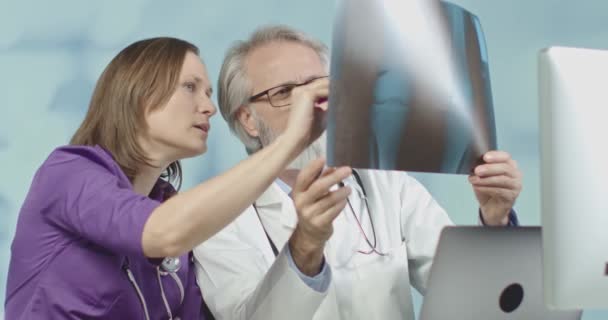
234 88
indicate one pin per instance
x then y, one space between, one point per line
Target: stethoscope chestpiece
170 265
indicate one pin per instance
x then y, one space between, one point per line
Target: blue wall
51 53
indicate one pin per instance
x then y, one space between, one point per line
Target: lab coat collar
277 205
272 196
352 183
276 195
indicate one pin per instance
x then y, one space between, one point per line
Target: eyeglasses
280 96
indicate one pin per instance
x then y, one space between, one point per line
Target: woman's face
180 128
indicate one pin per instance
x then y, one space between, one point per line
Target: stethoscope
373 245
169 266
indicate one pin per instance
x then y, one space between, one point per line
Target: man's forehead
278 63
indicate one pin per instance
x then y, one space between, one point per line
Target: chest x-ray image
410 87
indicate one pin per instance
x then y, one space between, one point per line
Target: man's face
275 64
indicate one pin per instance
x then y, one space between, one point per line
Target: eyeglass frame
266 92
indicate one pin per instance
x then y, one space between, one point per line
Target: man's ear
246 118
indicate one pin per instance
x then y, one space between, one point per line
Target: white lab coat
241 279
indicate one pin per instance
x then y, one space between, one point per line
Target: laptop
573 85
488 273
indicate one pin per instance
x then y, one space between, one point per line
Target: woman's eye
191 86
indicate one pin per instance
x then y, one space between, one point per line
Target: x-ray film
410 87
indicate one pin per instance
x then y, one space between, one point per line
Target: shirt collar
284 186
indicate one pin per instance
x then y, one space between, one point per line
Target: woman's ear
246 118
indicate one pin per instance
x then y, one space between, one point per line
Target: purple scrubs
80 222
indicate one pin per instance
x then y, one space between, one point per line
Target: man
287 256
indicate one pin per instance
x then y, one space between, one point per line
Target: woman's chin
200 151
193 151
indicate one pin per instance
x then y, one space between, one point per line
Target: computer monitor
482 273
573 85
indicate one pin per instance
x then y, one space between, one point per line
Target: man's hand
497 184
317 207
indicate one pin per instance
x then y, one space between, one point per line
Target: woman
101 214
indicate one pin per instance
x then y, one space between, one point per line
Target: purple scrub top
80 223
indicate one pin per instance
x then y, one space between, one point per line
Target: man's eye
284 91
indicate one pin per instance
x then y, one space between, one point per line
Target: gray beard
313 152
